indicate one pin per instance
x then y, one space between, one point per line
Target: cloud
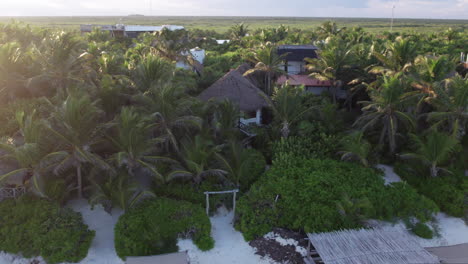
456 9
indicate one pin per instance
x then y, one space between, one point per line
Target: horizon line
230 16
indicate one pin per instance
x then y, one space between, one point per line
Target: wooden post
234 206
207 204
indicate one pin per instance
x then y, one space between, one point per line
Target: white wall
198 54
294 67
183 65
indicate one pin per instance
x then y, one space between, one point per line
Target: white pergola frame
234 192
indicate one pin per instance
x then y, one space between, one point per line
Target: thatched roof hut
370 246
235 87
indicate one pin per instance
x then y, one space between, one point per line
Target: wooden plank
223 192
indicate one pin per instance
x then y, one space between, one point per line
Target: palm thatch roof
238 89
370 246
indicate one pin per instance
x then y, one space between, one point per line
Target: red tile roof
296 80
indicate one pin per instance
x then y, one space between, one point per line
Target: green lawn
221 24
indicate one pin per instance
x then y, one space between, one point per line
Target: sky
445 9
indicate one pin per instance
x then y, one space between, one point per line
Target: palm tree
134 143
431 71
75 124
172 45
13 64
61 61
238 31
433 150
152 72
329 28
451 103
171 109
266 61
288 107
29 155
226 120
398 56
387 109
355 147
355 210
236 162
28 158
118 190
197 161
334 60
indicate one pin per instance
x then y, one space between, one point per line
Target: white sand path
230 246
102 249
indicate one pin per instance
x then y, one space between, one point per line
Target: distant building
198 55
295 66
464 60
222 41
131 31
294 57
311 85
239 90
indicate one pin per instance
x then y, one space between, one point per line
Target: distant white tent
369 246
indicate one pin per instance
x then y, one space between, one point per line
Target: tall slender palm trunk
80 184
269 83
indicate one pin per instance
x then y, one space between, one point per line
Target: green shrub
256 167
153 228
319 146
447 192
185 191
422 230
37 227
56 189
303 194
8 113
402 201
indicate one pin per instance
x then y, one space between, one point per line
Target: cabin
311 85
295 66
294 57
244 94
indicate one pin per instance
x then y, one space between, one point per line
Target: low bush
319 146
37 227
447 191
186 191
400 200
422 230
153 227
256 167
304 194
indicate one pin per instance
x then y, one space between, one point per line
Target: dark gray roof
309 47
298 52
